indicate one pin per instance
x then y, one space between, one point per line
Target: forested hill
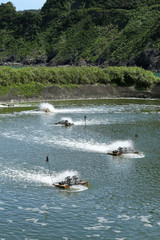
82 32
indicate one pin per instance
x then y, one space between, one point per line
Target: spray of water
45 106
78 188
93 146
67 118
81 144
40 178
90 146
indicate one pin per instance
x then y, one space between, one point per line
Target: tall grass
31 80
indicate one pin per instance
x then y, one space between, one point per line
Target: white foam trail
44 106
133 155
100 147
79 123
94 147
81 110
37 177
83 145
41 178
27 176
91 122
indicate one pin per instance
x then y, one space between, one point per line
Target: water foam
83 110
78 188
94 146
67 118
27 176
81 144
40 177
81 122
105 148
44 106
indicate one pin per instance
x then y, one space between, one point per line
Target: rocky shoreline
86 91
147 59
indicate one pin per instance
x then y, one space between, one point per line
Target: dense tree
7 14
27 25
80 31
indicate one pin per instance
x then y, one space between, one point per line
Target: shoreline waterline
78 99
9 103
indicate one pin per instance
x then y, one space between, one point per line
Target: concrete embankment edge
86 91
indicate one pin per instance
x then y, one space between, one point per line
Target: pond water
122 199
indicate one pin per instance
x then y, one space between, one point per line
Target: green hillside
82 32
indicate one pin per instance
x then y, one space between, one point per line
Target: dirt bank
85 92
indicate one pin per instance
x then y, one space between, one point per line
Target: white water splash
78 188
93 146
99 147
82 110
81 144
82 122
67 118
41 178
133 155
27 176
44 106
37 177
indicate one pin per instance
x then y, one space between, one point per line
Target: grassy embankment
29 81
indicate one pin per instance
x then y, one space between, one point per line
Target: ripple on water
115 205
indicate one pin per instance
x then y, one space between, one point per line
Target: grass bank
30 81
